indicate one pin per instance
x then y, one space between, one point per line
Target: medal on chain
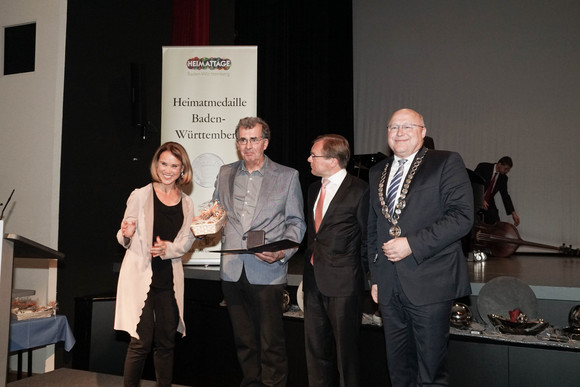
395 230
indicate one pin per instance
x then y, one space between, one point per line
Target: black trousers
332 330
156 329
416 338
256 315
491 216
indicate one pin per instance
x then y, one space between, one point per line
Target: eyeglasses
251 140
405 127
315 156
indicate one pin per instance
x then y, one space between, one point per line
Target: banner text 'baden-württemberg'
206 118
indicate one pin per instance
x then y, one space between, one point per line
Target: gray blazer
279 212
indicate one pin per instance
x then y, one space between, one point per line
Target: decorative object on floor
573 328
300 297
574 317
529 327
479 256
460 316
504 294
285 301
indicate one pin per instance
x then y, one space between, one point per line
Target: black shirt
167 221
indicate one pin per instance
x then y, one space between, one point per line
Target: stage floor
560 273
78 378
539 270
533 269
551 277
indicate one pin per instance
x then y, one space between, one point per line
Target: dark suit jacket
340 245
485 171
439 212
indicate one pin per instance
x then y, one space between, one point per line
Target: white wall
492 78
31 123
30 144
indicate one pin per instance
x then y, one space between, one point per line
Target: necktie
394 187
320 205
489 190
318 210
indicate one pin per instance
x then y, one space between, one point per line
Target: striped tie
394 187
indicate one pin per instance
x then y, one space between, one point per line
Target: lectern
14 246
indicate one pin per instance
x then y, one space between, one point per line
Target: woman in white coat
156 233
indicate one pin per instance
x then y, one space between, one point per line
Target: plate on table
504 294
300 297
530 327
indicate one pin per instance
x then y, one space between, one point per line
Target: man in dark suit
414 248
495 176
334 270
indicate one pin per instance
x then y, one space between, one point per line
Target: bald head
406 130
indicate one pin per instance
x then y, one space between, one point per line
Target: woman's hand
128 227
158 248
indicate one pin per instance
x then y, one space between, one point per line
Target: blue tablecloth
39 332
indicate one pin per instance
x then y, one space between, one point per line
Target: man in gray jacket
258 195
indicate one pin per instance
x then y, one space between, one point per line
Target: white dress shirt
335 182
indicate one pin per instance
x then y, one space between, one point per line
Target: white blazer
135 275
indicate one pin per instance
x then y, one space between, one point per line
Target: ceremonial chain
395 230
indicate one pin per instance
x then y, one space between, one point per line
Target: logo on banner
209 63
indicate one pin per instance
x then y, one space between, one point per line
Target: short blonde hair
180 153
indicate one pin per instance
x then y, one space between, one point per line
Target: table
14 246
33 333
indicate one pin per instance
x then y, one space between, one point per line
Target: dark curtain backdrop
304 72
190 23
305 89
103 155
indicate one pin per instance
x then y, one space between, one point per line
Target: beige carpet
69 377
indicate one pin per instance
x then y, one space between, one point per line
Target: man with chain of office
421 205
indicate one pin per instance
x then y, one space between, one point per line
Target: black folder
273 246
